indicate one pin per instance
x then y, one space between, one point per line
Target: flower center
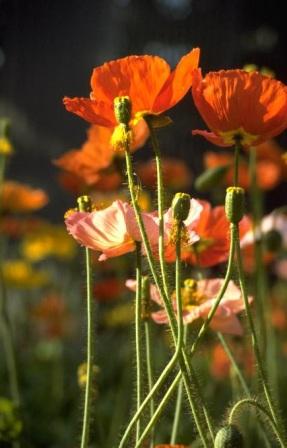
190 294
231 137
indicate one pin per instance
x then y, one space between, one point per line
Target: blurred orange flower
147 80
176 174
108 289
51 315
20 198
237 105
270 167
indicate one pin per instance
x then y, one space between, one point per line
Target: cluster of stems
179 372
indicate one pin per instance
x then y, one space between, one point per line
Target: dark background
48 49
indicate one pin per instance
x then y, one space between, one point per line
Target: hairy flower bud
180 206
234 204
229 437
84 203
122 108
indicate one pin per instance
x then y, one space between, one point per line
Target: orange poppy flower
213 230
147 80
236 105
20 198
270 168
176 174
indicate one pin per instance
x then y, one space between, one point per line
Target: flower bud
272 241
234 204
122 108
180 206
211 178
229 437
84 203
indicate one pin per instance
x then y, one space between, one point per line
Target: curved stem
90 352
259 407
138 331
221 293
161 406
166 301
254 339
149 373
234 364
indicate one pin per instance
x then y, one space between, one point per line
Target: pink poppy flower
198 301
189 236
111 231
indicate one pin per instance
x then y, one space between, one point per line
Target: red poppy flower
176 174
147 80
236 105
214 239
270 168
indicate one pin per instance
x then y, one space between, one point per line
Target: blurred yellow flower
21 198
20 274
120 315
5 146
48 241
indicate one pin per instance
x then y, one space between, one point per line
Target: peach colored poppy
176 174
236 105
111 231
16 197
198 303
147 80
212 227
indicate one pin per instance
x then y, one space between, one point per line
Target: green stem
234 364
149 373
138 326
237 149
241 378
159 409
90 352
254 339
221 293
260 408
166 301
160 202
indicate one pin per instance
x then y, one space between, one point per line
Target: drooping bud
122 108
145 308
229 437
272 241
180 206
84 203
234 204
211 178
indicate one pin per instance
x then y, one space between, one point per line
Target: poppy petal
178 83
94 112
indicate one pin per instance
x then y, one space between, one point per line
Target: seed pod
180 206
211 178
234 204
229 437
122 108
